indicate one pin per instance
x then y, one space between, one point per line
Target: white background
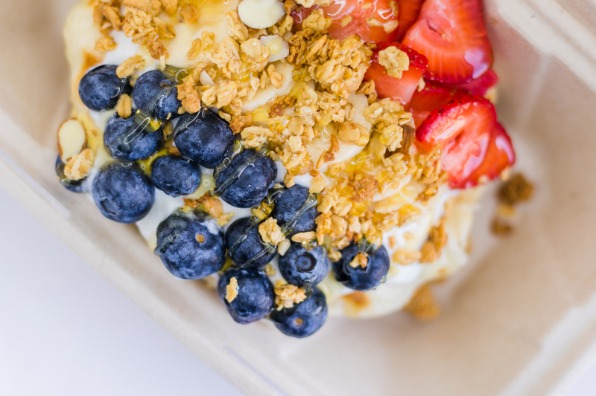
65 331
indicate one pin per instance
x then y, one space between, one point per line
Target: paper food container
520 320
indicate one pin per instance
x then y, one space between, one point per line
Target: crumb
130 66
501 227
287 295
232 290
423 305
271 232
78 166
515 190
304 237
124 106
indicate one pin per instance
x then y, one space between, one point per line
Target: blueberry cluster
190 244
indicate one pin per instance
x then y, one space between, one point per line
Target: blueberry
295 209
305 319
245 246
175 176
355 276
76 186
190 245
100 88
128 139
301 266
156 95
248 294
243 182
122 192
204 138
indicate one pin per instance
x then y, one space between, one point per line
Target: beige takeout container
520 320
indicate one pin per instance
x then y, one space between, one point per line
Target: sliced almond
72 139
260 14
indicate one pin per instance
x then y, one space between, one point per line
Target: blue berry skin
255 297
101 88
294 211
244 181
204 138
189 245
301 266
156 95
122 192
76 186
362 278
175 176
305 319
245 246
127 140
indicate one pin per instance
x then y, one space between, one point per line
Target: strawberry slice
452 35
480 86
408 12
474 146
429 99
400 89
499 156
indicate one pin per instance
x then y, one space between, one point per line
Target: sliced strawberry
474 145
499 156
408 12
452 35
479 86
373 20
400 89
429 99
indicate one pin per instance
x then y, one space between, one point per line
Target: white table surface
66 331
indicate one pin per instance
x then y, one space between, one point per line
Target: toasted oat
316 21
237 29
423 305
170 6
189 95
255 136
287 295
130 66
190 14
283 247
271 232
500 226
232 289
78 166
105 43
432 248
394 60
360 260
515 190
405 257
124 106
304 237
318 184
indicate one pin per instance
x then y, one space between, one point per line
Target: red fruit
373 20
479 86
408 12
452 35
399 89
474 145
426 101
499 156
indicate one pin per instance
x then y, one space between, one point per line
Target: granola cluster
146 22
325 107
